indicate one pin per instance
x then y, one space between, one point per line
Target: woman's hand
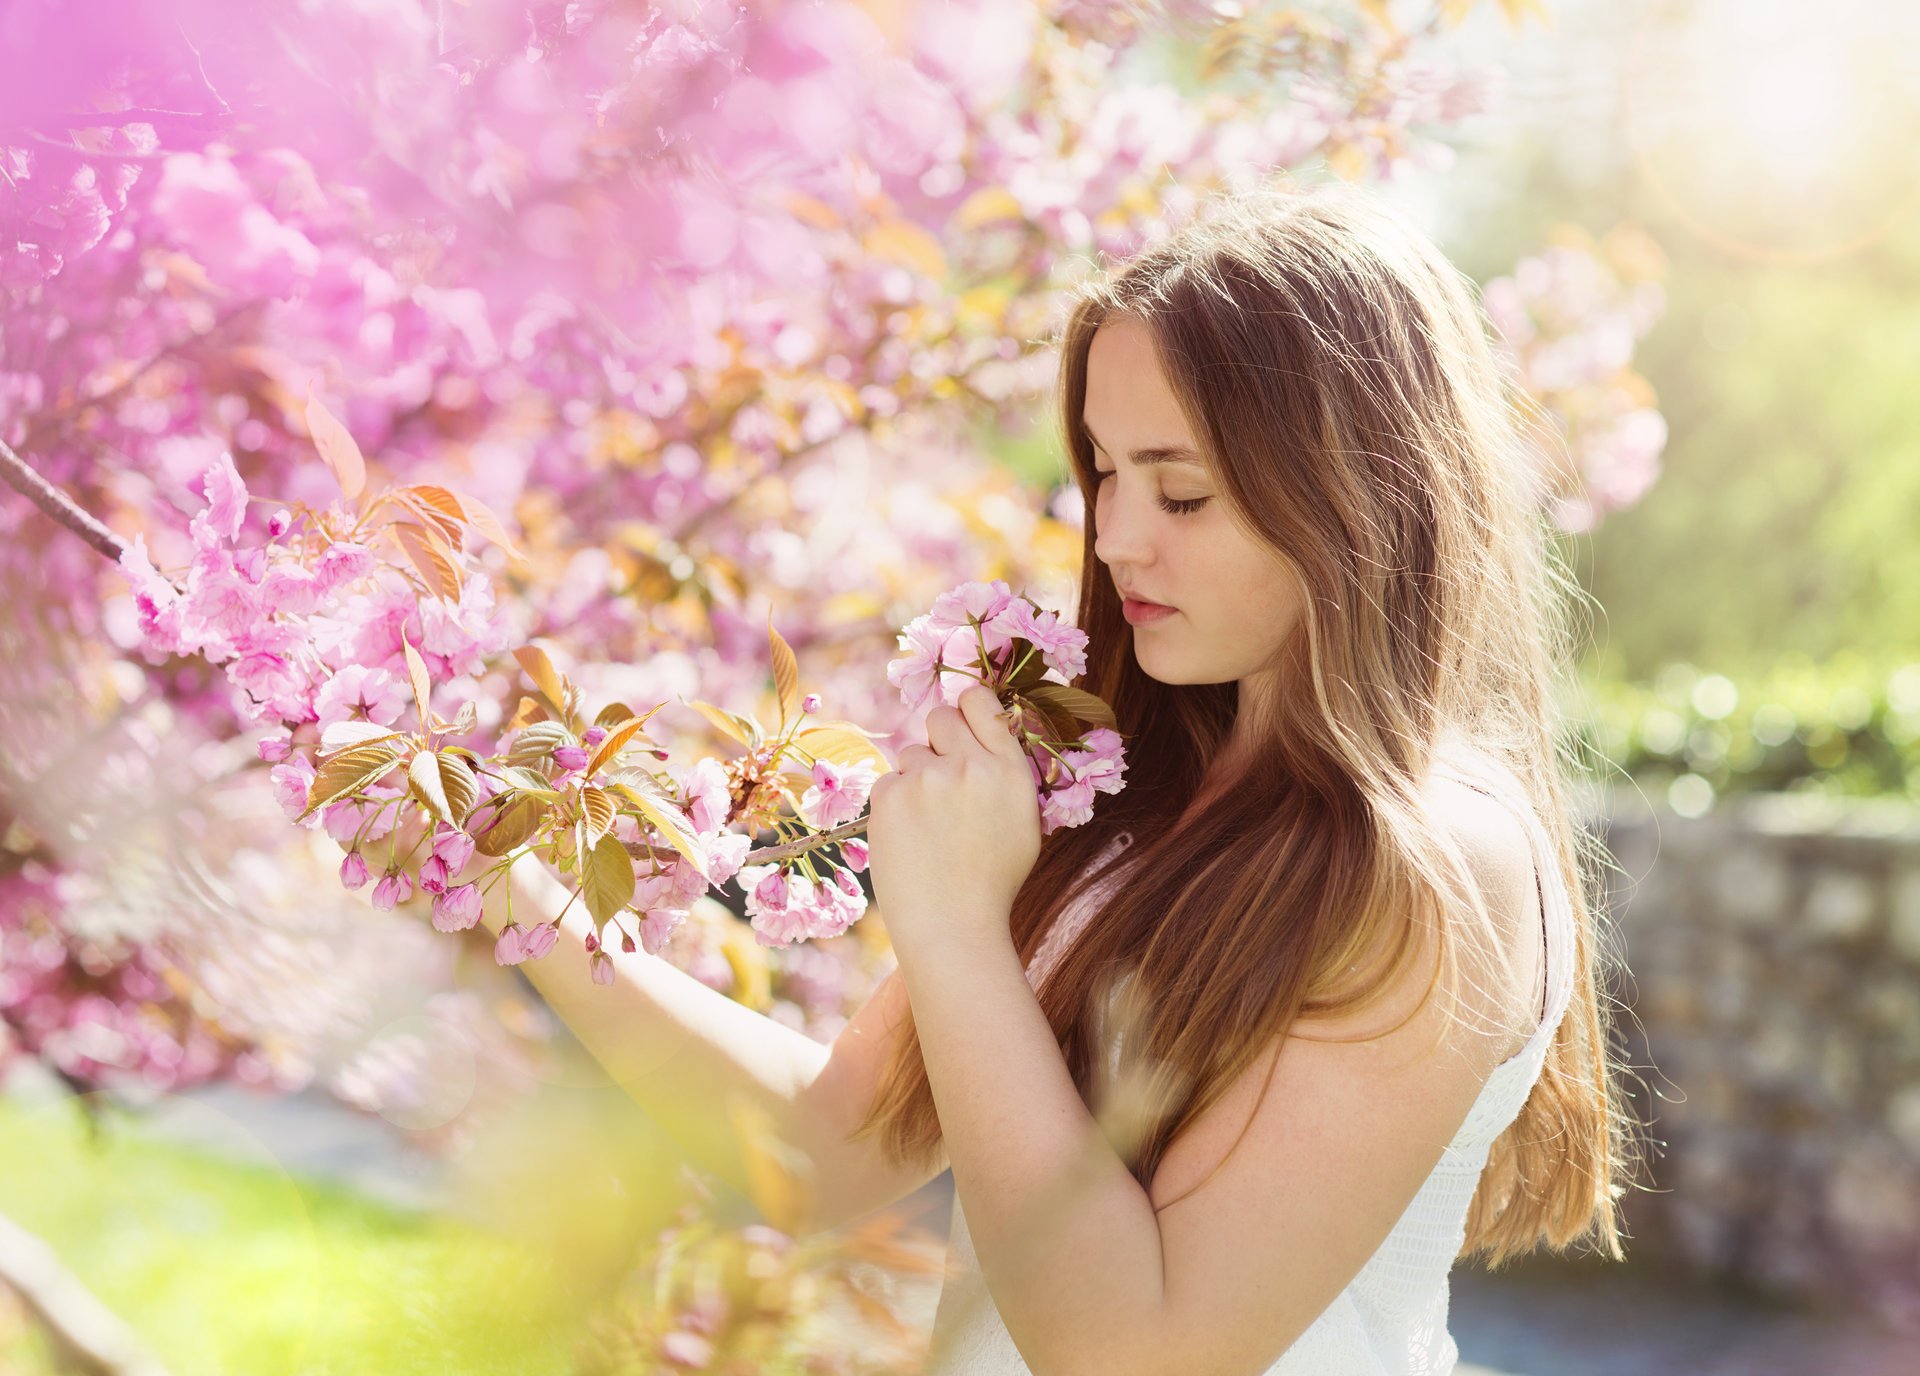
954 829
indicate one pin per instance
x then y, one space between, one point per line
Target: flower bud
279 523
592 736
353 871
593 942
457 909
810 703
454 847
601 968
570 756
394 888
433 874
627 943
274 749
540 940
854 851
511 948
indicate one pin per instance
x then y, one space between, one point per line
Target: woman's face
1163 530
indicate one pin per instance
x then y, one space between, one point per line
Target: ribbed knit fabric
1391 1320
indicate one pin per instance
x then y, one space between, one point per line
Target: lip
1140 613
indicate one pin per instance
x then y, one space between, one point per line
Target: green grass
226 1267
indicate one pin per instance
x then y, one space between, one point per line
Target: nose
1121 536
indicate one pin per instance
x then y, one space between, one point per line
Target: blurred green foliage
1786 517
1846 727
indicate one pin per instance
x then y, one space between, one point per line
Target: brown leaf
597 806
727 723
349 772
1075 702
431 515
527 712
537 742
514 821
786 673
424 775
337 447
678 833
428 553
546 678
615 742
422 685
344 735
481 517
462 788
833 741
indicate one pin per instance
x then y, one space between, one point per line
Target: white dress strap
1556 909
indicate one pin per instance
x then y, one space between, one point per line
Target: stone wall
1774 997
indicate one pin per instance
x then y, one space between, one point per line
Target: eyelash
1177 506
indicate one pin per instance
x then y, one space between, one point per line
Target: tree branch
57 504
86 1334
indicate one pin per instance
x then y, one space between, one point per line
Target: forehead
1129 403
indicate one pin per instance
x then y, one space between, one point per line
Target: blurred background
718 348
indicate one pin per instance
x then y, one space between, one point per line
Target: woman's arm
688 1054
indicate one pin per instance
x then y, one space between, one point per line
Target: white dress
1391 1320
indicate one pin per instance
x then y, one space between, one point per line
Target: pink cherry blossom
433 874
838 794
291 780
705 796
454 847
357 692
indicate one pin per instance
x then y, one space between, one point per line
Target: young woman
1229 1076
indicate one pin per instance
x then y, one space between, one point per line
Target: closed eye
1178 506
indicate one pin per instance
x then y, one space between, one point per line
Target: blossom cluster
1567 321
983 633
316 632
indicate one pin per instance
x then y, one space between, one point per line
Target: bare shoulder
1504 962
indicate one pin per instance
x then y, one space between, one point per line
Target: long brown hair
1337 372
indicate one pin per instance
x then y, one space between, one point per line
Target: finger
987 719
912 758
947 730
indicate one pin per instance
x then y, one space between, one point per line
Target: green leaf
607 880
514 821
348 773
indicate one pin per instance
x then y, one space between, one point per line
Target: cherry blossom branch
58 505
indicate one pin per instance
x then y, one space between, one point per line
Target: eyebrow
1160 453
